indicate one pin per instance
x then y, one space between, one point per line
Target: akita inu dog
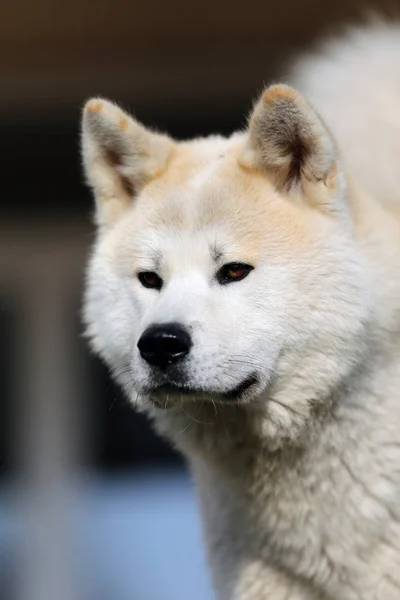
246 293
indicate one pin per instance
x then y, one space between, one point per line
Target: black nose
164 345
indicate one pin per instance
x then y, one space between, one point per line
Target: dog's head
224 269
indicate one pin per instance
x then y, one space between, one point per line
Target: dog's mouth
235 394
240 389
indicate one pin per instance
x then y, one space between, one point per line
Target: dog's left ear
289 142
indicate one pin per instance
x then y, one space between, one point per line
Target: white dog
246 294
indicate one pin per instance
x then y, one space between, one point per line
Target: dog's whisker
125 368
194 418
286 407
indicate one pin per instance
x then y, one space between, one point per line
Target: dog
245 293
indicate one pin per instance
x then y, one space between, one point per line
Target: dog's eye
233 272
150 280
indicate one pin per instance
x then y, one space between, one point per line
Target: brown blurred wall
54 52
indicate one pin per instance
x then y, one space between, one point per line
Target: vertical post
47 416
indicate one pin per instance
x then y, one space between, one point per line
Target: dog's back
354 83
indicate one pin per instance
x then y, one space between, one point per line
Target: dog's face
224 269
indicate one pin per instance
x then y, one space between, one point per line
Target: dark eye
150 280
233 272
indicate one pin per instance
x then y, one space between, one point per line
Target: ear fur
119 156
290 142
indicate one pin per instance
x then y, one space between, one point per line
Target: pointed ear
119 157
289 141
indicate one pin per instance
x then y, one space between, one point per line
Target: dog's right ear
119 157
289 141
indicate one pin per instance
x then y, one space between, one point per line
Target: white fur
354 81
298 481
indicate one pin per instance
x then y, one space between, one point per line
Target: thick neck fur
297 508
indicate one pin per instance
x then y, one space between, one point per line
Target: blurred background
93 506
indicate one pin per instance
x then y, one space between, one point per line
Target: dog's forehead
204 183
208 198
197 166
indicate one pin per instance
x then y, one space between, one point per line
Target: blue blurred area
144 539
138 538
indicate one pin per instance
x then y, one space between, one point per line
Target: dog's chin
172 392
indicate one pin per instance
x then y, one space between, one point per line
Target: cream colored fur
298 479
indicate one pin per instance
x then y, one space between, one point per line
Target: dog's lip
242 387
233 394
